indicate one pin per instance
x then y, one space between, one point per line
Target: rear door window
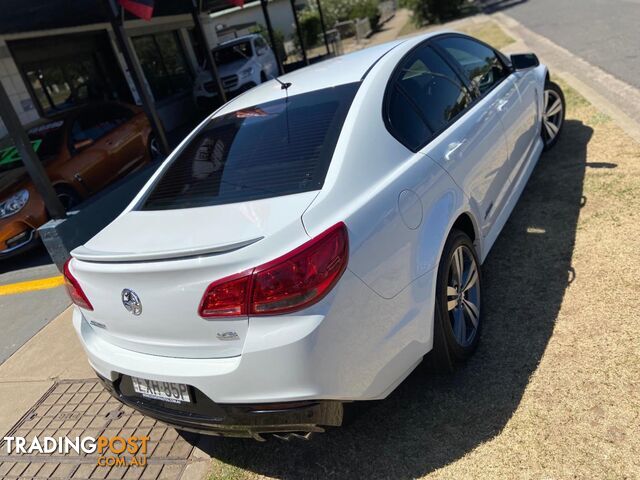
277 148
424 98
434 87
479 62
407 124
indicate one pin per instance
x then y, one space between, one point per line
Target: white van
242 63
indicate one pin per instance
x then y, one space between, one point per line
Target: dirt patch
489 32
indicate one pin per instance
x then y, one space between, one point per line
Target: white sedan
310 242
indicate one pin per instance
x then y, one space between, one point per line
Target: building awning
33 15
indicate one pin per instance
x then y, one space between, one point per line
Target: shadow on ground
491 6
36 257
431 421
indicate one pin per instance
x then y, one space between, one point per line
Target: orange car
83 151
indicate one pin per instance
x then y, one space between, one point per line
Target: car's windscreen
277 148
233 53
46 140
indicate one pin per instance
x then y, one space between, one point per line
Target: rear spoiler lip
96 256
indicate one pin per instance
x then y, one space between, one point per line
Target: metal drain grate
81 408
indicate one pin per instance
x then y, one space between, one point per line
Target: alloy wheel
463 296
553 116
68 200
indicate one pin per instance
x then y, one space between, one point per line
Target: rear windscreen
276 148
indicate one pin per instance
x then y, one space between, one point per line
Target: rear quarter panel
395 239
369 172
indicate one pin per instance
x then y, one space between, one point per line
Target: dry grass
409 28
553 391
487 31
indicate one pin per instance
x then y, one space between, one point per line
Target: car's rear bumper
253 421
331 353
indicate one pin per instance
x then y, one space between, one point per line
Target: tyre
263 77
553 114
458 313
68 197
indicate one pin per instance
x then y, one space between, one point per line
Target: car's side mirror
82 144
262 51
523 61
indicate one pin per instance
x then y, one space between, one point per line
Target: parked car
243 63
312 241
83 150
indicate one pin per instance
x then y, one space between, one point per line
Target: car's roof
233 41
341 70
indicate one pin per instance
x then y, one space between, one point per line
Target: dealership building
57 53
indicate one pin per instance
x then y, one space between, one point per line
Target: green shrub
279 39
433 11
310 26
341 10
367 9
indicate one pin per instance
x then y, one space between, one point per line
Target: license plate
166 391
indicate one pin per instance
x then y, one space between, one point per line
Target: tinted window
47 139
95 123
481 64
434 87
164 64
118 114
408 127
233 53
272 149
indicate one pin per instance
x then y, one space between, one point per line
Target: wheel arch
62 185
466 223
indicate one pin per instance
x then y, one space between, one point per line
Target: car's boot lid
146 274
138 236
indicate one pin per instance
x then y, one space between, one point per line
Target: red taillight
292 282
74 290
226 297
301 277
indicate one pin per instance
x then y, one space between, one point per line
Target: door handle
453 148
502 103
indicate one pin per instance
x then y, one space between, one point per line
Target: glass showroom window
164 64
67 83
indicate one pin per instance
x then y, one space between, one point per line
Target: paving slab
47 388
64 411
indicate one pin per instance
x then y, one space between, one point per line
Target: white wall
279 12
15 88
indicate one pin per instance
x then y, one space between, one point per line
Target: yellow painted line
32 285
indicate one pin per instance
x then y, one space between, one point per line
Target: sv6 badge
227 336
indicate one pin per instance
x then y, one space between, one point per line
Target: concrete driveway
604 32
31 295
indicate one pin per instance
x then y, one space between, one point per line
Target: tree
433 11
340 10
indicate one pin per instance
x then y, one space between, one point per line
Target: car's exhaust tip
297 436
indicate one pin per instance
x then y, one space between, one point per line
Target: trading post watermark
110 451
